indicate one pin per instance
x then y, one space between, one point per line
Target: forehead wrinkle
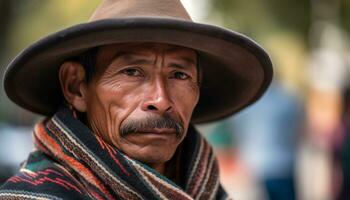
166 53
187 59
159 57
132 57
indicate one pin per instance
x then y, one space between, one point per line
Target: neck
159 167
169 169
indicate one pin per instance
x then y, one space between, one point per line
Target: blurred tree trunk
6 16
6 19
10 10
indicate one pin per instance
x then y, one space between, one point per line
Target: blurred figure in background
265 143
257 148
267 136
328 102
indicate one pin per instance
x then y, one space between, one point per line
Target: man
121 94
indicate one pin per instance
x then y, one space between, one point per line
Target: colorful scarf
100 171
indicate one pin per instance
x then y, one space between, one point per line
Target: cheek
108 106
185 97
117 97
99 116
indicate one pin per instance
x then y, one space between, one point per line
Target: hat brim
236 70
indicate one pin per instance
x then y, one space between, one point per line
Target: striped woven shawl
103 172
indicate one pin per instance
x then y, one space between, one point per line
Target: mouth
158 131
152 135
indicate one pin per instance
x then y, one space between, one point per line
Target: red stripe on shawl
38 181
38 144
96 195
118 189
56 149
111 153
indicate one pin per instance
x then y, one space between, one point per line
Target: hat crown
110 9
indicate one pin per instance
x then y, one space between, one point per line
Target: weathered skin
136 81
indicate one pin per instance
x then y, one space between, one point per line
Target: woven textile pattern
70 162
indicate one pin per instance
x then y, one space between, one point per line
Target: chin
153 157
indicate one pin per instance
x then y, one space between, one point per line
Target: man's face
141 98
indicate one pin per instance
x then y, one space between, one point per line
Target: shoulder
42 178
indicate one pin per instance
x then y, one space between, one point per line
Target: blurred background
293 144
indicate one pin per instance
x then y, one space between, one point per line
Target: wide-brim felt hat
236 70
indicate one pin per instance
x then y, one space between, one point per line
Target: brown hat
236 70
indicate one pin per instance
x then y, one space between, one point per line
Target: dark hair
88 60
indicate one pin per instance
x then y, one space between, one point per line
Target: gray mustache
136 126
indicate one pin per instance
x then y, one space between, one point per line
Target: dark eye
132 72
181 76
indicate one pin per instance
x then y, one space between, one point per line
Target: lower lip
161 134
146 138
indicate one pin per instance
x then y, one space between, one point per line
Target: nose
157 100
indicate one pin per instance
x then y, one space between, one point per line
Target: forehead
108 52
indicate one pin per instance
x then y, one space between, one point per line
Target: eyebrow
188 61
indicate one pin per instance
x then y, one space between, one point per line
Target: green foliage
43 17
257 17
22 23
345 14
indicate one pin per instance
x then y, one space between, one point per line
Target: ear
73 84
